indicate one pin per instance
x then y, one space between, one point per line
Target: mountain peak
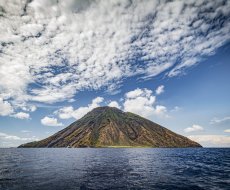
111 127
105 108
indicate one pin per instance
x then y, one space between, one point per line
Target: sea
114 168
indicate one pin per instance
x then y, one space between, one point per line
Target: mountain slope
111 127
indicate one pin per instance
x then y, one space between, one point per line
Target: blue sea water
109 168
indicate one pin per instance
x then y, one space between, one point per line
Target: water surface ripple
109 168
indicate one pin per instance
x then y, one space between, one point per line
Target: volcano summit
111 127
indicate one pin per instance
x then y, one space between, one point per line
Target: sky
167 61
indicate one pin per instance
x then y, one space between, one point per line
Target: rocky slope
111 127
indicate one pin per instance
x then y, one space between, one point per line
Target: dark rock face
111 127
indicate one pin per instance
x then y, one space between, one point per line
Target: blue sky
166 61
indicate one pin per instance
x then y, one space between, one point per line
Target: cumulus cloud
65 112
139 101
50 121
160 89
114 104
138 92
21 115
5 108
194 128
29 108
227 130
212 140
69 112
142 102
219 120
54 49
161 110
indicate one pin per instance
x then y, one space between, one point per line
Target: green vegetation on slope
110 127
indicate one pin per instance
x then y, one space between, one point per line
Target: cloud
5 108
160 89
29 108
212 140
194 128
161 110
54 49
25 131
69 112
219 120
21 115
138 92
176 109
114 104
7 140
50 121
71 100
142 102
139 101
65 112
13 137
227 130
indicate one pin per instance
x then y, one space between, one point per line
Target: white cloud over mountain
114 104
139 101
69 112
50 50
143 102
